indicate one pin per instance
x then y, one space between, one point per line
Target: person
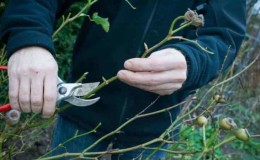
173 71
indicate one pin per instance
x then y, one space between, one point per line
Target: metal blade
81 102
85 89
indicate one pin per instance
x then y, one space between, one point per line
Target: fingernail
128 64
121 74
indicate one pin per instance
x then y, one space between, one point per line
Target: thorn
145 46
103 78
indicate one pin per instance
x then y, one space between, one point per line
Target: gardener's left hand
163 72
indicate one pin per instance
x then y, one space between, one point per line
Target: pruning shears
69 92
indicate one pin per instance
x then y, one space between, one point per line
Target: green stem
116 151
181 28
70 19
204 137
102 85
173 24
145 54
70 139
254 136
171 151
230 139
194 42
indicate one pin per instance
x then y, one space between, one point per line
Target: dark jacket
30 22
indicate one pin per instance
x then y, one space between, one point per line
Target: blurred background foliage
242 94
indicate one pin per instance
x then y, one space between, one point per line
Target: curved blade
81 102
85 88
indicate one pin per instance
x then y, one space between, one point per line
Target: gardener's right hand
33 75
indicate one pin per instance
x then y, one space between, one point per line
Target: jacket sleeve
30 23
222 34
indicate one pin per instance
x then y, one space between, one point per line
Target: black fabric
103 54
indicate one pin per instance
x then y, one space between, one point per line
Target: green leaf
101 21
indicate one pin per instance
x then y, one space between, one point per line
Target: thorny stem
171 151
126 123
146 53
193 42
230 139
70 139
173 124
69 19
170 128
214 86
254 136
161 137
102 85
204 136
116 151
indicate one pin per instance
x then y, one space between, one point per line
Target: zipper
147 28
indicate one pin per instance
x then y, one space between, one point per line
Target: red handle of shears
6 107
3 67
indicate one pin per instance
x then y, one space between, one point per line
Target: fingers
162 83
32 73
24 94
13 91
158 61
163 72
37 94
148 64
50 95
151 78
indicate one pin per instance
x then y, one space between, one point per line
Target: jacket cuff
29 38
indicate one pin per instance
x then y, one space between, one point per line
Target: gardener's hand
32 75
162 73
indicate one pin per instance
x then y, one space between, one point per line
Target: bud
202 121
192 16
227 124
12 117
242 134
218 98
221 100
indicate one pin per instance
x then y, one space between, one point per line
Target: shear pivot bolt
62 90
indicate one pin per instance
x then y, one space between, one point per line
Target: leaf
101 21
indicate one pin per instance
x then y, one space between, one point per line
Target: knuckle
155 63
183 77
24 99
13 95
23 72
35 69
153 81
36 102
36 110
24 102
50 98
15 105
52 67
12 72
181 64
